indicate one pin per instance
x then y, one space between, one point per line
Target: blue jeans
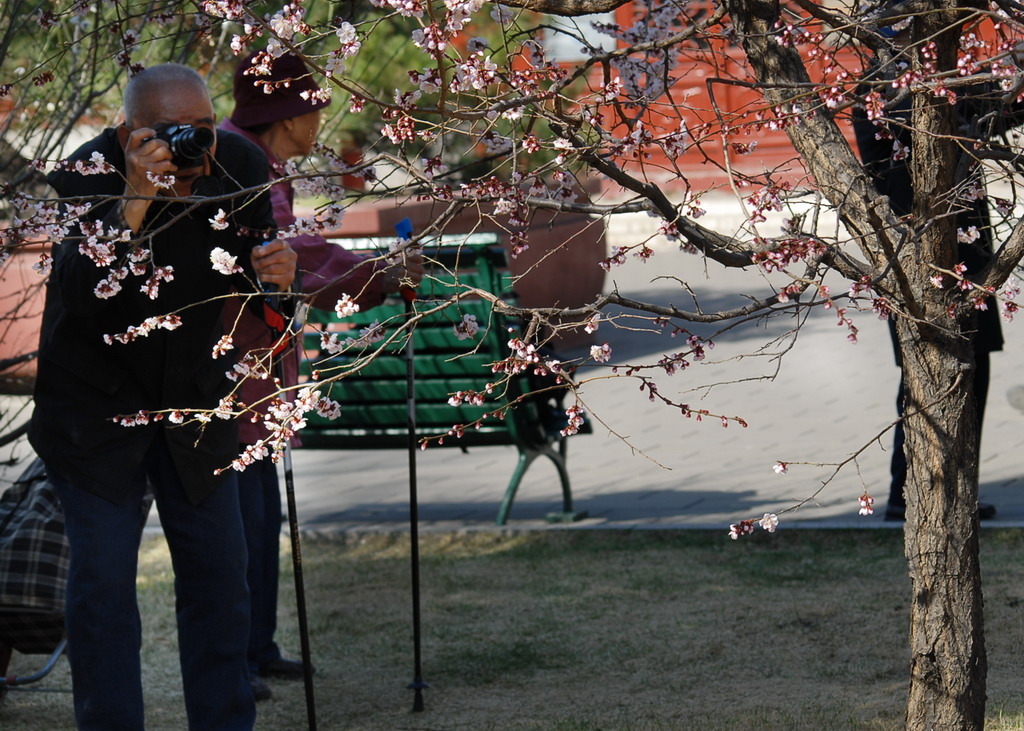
260 499
212 601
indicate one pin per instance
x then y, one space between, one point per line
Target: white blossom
224 262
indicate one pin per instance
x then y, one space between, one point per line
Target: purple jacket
324 268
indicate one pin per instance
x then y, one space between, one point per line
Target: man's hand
145 159
275 263
408 272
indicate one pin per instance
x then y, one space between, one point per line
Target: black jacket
83 382
981 116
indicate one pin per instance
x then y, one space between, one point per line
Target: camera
188 144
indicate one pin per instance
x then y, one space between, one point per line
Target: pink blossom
407 8
867 504
875 105
163 322
433 167
111 285
142 418
219 221
224 262
227 9
161 182
348 40
249 366
523 356
328 408
967 236
97 165
372 333
430 39
502 14
743 528
223 345
138 259
318 95
476 72
346 306
601 353
331 343
475 398
467 328
769 522
44 265
225 408
781 468
152 286
575 420
618 258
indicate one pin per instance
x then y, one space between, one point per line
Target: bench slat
382 390
394 415
427 366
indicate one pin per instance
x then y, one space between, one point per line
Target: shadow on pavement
670 506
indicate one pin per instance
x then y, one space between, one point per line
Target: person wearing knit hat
280 112
270 91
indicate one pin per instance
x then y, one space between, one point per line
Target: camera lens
188 145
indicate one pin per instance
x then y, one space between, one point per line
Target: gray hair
141 86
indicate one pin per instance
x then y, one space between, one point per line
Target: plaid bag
33 548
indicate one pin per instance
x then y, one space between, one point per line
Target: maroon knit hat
253 106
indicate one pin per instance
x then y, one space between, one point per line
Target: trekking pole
404 229
300 588
276 320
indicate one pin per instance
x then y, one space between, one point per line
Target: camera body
188 144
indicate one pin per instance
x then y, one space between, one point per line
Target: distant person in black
982 116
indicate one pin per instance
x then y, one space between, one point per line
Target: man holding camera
130 389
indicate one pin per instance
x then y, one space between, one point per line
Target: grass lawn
585 630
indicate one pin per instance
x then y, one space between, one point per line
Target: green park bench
373 390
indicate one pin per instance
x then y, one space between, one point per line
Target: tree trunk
947 687
948 666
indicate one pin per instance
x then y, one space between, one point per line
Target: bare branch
566 8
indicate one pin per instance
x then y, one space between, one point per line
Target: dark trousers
898 465
260 499
212 601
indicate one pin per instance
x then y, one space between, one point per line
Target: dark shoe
986 511
260 689
282 668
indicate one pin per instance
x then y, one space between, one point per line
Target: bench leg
568 515
526 458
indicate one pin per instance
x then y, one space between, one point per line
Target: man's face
181 103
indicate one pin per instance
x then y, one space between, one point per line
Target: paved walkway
648 467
